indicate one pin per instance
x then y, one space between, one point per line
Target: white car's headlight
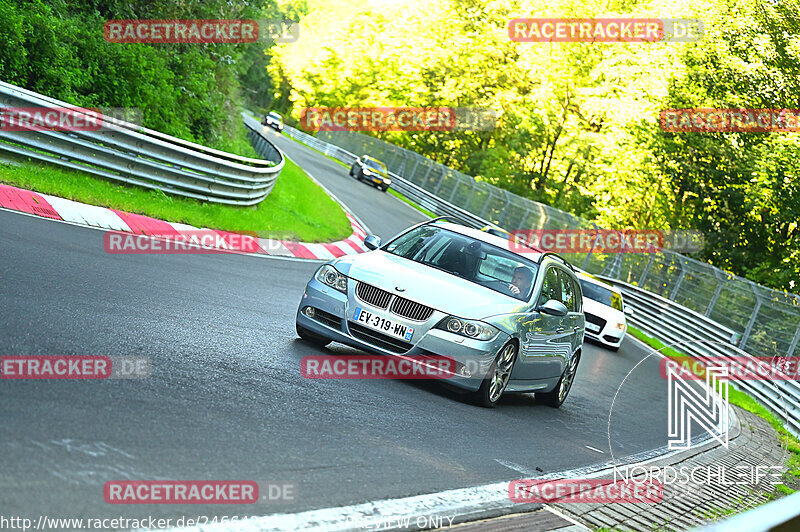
620 326
476 330
328 275
367 172
387 181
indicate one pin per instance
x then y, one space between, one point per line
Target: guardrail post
469 198
414 169
441 180
453 193
749 328
613 270
591 249
486 204
674 292
714 298
646 269
502 219
795 340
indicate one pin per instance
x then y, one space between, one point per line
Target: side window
551 287
568 290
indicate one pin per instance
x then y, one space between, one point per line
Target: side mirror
372 242
627 310
553 307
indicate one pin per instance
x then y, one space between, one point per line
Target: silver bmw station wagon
511 322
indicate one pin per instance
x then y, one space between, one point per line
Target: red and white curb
46 206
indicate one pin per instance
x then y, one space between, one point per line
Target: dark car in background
371 170
274 121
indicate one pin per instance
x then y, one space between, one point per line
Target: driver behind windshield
521 281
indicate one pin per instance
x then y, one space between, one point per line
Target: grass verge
296 209
743 400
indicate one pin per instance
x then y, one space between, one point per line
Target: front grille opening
373 295
411 309
591 318
395 345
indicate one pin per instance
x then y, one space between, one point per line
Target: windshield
470 259
275 116
375 165
601 295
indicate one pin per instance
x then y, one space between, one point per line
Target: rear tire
560 393
496 381
311 337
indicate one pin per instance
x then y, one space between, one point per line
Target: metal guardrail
132 154
782 515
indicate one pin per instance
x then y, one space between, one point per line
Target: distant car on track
510 322
371 170
605 311
274 121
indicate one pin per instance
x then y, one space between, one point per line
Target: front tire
559 394
311 337
496 381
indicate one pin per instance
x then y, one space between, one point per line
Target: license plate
386 326
592 327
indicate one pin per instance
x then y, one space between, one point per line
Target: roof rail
447 218
556 256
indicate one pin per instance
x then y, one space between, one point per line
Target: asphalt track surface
226 399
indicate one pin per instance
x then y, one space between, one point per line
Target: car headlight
387 181
366 172
328 275
476 330
620 326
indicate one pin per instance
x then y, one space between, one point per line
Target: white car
605 311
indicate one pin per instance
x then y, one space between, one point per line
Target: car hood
604 311
435 288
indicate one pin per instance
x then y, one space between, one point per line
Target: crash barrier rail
126 152
780 515
764 320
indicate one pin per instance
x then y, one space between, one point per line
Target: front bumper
335 324
608 335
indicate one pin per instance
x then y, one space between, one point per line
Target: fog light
309 311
